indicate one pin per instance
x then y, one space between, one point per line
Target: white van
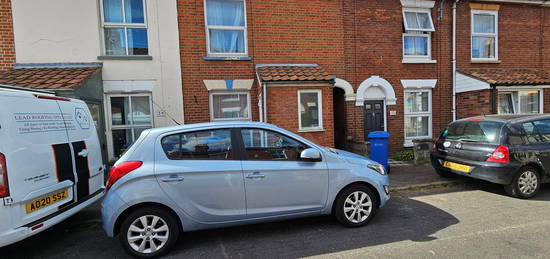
50 162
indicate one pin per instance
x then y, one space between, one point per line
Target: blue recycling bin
379 147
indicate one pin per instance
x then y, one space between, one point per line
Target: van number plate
46 201
457 167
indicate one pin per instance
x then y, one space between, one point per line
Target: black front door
374 117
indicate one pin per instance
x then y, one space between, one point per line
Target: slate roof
280 73
509 76
47 77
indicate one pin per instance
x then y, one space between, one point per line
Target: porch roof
48 77
509 76
292 72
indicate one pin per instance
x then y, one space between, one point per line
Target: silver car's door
199 172
277 182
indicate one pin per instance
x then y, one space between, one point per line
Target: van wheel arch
366 184
128 211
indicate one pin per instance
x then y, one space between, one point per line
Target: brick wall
7 46
475 103
284 31
373 46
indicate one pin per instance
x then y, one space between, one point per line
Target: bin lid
379 134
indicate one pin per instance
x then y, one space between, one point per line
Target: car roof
206 125
511 118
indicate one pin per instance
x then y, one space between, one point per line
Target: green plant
406 155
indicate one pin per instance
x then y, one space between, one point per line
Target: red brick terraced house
333 71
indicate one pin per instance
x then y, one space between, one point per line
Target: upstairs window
226 27
484 35
125 28
418 26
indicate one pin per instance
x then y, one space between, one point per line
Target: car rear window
476 131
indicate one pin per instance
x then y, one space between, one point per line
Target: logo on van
82 118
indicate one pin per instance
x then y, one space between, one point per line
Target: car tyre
445 174
355 206
149 232
525 185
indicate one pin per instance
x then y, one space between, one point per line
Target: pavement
407 176
469 219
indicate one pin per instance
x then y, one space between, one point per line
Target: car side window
542 127
199 145
262 144
531 133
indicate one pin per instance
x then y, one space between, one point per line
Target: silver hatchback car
212 175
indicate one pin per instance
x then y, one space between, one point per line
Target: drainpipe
454 60
265 102
260 101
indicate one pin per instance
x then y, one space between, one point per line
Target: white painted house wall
70 31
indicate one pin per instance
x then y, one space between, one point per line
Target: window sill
311 130
418 61
140 57
483 61
227 58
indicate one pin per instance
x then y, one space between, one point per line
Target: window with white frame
484 35
418 26
521 101
418 114
230 106
310 110
129 115
226 27
124 27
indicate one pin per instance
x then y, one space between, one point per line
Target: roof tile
47 77
293 73
509 76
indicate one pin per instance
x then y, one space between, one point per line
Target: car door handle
172 179
256 175
83 153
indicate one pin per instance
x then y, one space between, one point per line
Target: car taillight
434 148
500 155
4 187
121 170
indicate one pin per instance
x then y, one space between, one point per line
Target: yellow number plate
458 167
46 201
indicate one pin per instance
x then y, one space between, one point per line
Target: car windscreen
474 131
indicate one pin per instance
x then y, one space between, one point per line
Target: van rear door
86 149
34 143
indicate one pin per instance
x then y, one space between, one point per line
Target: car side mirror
310 154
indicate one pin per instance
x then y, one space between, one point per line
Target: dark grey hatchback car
512 150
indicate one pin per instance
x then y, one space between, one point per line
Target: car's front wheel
355 206
525 185
149 232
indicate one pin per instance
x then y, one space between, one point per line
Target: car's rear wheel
149 232
525 185
355 206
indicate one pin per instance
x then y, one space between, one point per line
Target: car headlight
378 168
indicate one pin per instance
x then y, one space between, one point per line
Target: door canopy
375 88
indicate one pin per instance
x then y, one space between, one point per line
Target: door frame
384 110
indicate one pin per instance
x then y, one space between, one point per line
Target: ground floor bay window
417 115
519 101
129 115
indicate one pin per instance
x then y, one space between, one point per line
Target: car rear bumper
17 234
489 171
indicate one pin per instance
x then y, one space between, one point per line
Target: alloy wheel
147 234
527 182
357 206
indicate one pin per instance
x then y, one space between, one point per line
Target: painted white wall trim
465 83
375 81
419 83
417 3
124 86
346 86
238 84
